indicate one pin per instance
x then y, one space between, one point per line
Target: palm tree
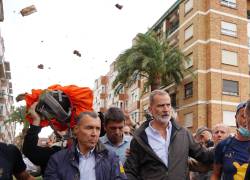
153 59
18 116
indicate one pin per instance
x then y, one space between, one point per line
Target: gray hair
156 92
88 113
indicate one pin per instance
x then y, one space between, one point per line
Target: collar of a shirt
155 131
87 155
124 139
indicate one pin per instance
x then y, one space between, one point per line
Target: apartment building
214 34
7 130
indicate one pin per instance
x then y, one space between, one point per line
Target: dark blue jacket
63 165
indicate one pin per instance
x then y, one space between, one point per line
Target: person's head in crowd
114 122
240 115
127 130
203 135
241 121
220 132
247 114
87 131
160 106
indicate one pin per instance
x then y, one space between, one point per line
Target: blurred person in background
127 130
220 132
203 135
11 163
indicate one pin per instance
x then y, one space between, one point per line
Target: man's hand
24 176
127 152
36 118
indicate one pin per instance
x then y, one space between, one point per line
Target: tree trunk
157 83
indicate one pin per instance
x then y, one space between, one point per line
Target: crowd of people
160 149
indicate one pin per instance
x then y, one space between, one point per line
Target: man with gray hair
87 159
160 148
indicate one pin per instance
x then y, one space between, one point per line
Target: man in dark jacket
36 154
160 148
87 159
11 163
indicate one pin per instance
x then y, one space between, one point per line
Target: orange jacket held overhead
81 99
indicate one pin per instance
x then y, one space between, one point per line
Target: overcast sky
96 28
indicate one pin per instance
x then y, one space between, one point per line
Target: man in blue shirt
115 139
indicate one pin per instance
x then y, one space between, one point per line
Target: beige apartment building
7 130
215 35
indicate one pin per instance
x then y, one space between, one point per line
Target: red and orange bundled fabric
81 99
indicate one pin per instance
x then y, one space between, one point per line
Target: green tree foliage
18 116
157 61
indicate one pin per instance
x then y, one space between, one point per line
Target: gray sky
96 28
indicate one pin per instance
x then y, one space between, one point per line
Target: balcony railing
172 28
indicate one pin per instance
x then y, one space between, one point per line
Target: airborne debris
118 6
77 53
28 10
20 97
40 66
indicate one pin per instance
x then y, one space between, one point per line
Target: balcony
8 75
104 80
2 69
7 66
172 28
103 95
1 11
10 91
123 97
4 83
10 84
103 109
2 100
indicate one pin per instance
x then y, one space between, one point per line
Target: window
228 118
230 87
188 90
189 61
2 93
134 96
188 6
1 110
134 116
228 29
188 120
121 105
228 3
188 33
229 57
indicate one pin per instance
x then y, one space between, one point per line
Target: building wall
7 130
208 104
